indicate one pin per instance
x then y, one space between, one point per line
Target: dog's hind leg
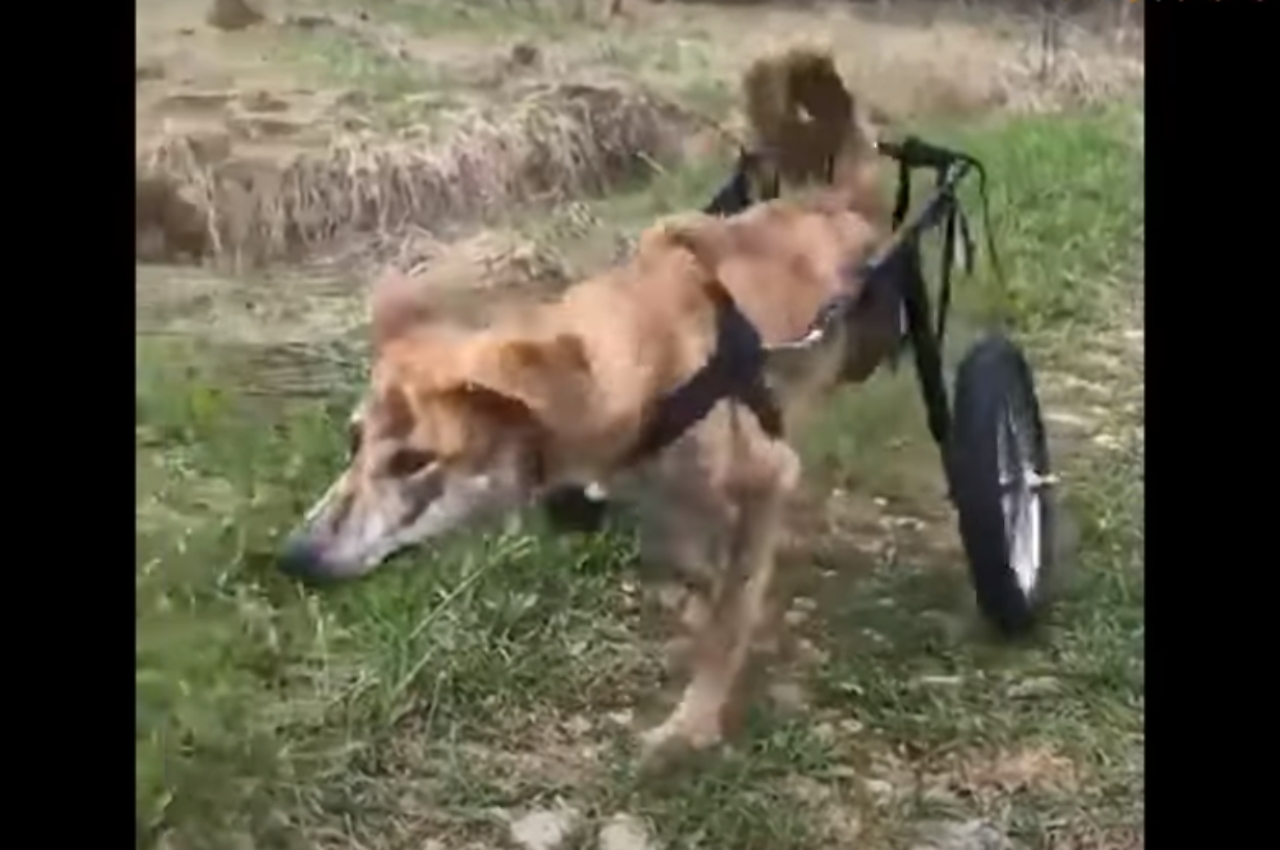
765 472
685 523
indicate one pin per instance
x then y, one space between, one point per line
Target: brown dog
461 423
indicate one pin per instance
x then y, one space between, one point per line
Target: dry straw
560 141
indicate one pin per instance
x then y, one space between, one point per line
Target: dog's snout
302 558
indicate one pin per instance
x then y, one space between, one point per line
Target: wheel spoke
1021 489
1031 480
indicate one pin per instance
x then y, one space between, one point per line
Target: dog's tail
806 123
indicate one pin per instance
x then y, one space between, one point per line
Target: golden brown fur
463 422
802 118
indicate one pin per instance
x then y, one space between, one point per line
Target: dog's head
456 425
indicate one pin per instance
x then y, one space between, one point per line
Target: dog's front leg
722 646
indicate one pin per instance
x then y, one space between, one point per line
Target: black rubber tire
994 382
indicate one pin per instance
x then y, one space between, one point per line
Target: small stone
1068 420
962 835
807 652
625 832
263 101
148 69
209 145
545 829
910 523
230 15
880 790
309 22
875 637
1035 687
789 696
577 726
939 796
525 54
1106 441
795 618
849 726
353 98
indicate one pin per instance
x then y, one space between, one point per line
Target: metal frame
570 507
900 261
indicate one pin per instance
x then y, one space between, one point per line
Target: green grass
398 89
418 703
545 18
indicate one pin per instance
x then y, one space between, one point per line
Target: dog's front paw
677 738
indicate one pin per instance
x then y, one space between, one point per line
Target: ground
475 697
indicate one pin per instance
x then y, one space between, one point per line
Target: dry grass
490 260
464 275
960 69
560 141
941 68
198 199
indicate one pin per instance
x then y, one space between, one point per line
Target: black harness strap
735 370
955 224
902 202
735 195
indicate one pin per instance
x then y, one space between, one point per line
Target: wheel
998 465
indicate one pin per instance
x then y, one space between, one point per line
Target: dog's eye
407 462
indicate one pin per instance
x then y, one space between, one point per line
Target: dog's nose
312 562
301 559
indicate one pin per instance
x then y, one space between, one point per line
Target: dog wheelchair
988 429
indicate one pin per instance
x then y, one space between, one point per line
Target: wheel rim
1021 486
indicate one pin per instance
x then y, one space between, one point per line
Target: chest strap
735 370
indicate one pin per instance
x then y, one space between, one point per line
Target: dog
802 122
459 424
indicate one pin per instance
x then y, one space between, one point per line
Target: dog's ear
396 304
547 377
